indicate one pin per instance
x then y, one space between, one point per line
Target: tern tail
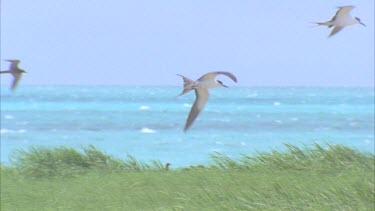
328 23
188 85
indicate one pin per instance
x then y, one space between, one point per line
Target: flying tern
341 19
15 71
201 86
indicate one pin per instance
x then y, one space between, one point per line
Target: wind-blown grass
315 178
41 162
317 158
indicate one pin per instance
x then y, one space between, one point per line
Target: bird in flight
15 71
340 20
201 86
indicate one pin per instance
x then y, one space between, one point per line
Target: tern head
221 84
13 60
359 21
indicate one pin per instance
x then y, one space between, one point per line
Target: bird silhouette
15 71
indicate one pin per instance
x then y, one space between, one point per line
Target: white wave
187 105
252 95
219 143
144 107
276 103
353 124
147 130
9 117
4 131
278 121
243 144
367 141
294 119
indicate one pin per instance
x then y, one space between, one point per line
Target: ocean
147 122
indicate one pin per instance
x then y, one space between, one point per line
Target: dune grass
316 178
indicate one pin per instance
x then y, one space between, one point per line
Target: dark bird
15 71
167 166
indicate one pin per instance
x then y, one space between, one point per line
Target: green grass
316 178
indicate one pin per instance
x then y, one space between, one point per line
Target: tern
341 19
15 71
166 167
201 86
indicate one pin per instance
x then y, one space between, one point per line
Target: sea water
147 122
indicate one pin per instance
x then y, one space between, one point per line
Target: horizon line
235 86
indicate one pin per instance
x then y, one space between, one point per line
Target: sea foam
147 130
5 131
144 107
9 117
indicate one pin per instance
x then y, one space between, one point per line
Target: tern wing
199 103
212 76
335 30
343 12
17 78
6 71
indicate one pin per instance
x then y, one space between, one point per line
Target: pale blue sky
139 42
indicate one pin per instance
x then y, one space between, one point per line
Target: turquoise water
147 122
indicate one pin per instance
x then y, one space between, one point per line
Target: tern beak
225 86
362 24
